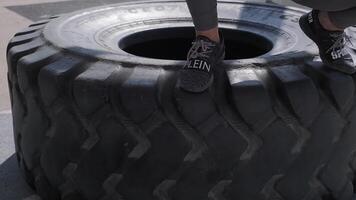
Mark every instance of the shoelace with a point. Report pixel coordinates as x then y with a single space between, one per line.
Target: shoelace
339 42
204 46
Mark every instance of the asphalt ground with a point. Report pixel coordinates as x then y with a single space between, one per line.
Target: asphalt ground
15 15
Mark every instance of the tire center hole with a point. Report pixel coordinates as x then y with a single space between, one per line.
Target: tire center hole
174 43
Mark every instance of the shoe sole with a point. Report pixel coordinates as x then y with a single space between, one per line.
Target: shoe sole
306 29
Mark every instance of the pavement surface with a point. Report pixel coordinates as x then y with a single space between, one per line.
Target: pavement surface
15 15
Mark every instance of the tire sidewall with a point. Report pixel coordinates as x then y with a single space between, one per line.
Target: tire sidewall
96 32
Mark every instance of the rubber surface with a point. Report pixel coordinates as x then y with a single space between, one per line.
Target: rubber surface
275 127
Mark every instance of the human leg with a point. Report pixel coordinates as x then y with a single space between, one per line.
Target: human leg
344 18
208 49
326 29
342 13
205 18
204 14
329 5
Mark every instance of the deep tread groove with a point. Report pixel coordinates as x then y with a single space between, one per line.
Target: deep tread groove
40 23
22 39
262 180
162 190
111 187
317 71
254 142
335 85
283 112
304 135
143 144
57 103
251 98
269 192
290 82
318 189
216 193
198 145
68 187
15 53
30 30
40 181
148 126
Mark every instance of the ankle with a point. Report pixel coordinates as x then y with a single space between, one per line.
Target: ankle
326 22
212 34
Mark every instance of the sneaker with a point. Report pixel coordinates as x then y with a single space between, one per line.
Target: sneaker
203 57
332 44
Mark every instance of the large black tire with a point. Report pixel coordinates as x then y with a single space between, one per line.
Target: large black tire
93 122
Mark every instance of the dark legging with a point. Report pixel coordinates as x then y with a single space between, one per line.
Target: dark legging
342 12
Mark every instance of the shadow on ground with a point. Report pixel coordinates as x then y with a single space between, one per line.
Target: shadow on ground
12 184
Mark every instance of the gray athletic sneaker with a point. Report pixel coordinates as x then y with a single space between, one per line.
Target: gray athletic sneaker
203 57
332 44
